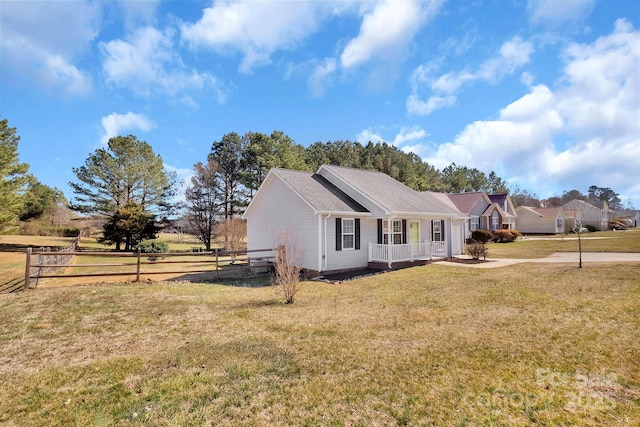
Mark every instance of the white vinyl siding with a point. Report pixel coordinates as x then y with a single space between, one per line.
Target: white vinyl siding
343 259
266 222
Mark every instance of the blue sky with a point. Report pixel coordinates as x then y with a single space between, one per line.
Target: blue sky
544 92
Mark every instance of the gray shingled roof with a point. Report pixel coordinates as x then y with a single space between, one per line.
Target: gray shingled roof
392 195
318 192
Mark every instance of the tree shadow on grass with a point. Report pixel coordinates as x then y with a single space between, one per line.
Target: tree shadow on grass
235 280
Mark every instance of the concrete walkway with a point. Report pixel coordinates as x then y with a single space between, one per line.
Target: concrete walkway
557 257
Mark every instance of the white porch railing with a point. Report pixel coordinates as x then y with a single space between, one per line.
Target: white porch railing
439 249
406 252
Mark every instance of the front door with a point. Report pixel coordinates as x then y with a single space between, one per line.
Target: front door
414 227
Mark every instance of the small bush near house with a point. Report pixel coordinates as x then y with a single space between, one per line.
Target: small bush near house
591 228
153 247
476 250
481 235
289 255
505 236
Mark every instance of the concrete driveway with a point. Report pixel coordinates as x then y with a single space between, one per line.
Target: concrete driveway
557 257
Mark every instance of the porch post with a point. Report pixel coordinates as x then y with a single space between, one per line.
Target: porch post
389 247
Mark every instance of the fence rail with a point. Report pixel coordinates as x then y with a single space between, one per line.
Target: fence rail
216 263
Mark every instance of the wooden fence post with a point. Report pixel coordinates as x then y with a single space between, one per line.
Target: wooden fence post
138 267
27 270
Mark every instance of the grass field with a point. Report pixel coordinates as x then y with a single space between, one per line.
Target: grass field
526 344
543 246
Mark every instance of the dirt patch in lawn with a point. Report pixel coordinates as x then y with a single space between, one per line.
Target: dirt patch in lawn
345 276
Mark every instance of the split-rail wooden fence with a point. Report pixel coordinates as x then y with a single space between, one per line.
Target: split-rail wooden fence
45 264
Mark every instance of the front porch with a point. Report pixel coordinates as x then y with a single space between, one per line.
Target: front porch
404 254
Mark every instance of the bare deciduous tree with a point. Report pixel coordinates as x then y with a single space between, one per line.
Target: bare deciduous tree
234 233
203 201
289 255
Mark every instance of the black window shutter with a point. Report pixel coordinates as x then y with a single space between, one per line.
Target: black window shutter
380 231
442 229
433 234
338 234
357 232
404 231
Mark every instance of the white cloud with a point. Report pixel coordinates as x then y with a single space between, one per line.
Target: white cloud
320 77
406 134
512 55
147 63
417 106
256 29
409 134
137 13
386 30
585 131
368 135
554 13
36 51
114 124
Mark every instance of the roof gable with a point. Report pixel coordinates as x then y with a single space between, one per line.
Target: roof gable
316 191
465 202
391 195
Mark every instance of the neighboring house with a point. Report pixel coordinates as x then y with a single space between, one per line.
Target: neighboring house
540 220
508 214
598 217
486 212
607 214
630 215
573 218
349 218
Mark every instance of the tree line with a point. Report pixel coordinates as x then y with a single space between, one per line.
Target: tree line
127 184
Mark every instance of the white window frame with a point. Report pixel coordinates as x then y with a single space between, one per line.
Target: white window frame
437 231
495 221
474 223
345 233
396 233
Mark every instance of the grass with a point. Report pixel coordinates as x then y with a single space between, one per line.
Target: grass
526 344
536 247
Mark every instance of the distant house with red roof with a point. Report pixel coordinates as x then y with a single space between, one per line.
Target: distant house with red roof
486 211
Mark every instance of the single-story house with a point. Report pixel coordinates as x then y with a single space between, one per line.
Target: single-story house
540 220
630 215
486 211
349 218
590 214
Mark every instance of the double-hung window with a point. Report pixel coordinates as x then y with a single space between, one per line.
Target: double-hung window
396 232
495 221
348 233
475 223
437 231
